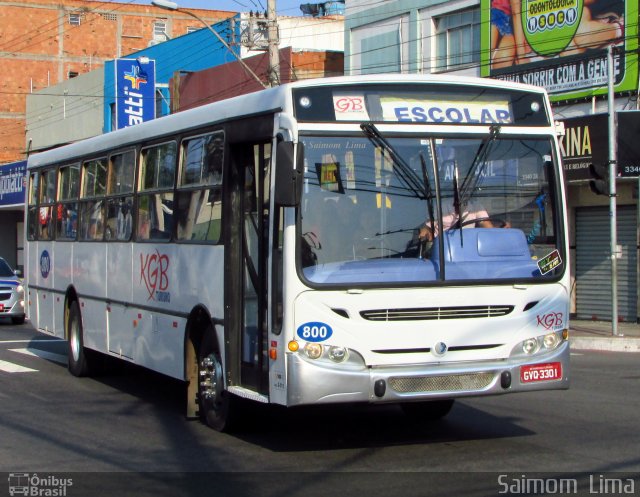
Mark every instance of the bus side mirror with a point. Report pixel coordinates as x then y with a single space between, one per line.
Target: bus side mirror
288 178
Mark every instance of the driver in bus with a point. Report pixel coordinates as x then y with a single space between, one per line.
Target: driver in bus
473 215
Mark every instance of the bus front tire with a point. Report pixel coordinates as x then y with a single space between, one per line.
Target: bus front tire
77 354
216 405
431 410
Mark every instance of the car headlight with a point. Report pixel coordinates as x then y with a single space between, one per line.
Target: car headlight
539 344
20 289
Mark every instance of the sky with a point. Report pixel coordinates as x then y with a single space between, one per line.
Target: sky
283 7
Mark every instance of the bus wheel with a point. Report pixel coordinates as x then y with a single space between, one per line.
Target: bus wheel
427 411
77 355
215 403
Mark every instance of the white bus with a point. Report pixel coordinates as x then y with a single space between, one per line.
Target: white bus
376 239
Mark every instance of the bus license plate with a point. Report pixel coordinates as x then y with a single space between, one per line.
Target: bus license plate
541 372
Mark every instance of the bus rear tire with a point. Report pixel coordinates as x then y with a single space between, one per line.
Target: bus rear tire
78 361
216 405
431 410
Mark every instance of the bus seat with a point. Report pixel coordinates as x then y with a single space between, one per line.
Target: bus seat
486 253
483 245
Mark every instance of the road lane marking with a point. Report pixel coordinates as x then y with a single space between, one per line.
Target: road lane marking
9 367
42 354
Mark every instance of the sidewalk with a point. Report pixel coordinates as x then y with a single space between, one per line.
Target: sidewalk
597 335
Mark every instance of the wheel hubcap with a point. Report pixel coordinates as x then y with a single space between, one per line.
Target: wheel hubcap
210 378
75 341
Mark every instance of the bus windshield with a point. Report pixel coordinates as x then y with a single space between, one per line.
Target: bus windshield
383 209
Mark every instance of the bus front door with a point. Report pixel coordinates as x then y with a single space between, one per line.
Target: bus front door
246 266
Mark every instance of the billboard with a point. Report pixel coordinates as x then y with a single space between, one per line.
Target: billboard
586 141
13 183
560 45
135 91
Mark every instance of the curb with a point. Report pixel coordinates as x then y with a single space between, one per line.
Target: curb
608 344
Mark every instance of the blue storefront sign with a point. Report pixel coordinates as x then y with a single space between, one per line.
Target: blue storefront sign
135 91
13 183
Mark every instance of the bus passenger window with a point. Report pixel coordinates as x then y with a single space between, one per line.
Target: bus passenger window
199 199
67 210
91 220
199 215
122 167
155 217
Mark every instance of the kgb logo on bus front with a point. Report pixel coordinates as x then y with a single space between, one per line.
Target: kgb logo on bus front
154 275
551 320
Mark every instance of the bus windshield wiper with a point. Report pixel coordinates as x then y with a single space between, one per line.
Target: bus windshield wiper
429 192
474 174
405 173
457 205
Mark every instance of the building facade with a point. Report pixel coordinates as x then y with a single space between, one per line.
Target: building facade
46 42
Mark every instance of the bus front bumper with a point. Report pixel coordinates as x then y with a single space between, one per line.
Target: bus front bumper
312 383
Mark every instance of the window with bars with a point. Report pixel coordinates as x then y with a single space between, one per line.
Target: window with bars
75 19
457 40
160 31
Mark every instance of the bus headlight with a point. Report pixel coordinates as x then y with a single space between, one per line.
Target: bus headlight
313 350
539 344
530 346
550 341
337 354
329 355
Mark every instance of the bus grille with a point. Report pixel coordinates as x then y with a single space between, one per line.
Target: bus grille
448 383
436 313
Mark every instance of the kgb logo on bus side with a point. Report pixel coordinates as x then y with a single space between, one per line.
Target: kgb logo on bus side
153 272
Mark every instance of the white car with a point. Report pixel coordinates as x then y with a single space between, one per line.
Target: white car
11 293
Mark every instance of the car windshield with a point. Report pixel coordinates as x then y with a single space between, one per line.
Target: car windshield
382 209
5 269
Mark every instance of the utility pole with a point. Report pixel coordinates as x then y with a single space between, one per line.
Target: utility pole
274 42
613 169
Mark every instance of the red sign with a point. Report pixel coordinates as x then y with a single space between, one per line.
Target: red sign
550 371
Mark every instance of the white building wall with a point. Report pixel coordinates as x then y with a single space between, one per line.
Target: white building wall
299 33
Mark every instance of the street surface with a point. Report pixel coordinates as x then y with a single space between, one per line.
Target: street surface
131 420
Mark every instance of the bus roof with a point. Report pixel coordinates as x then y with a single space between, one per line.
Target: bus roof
263 101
